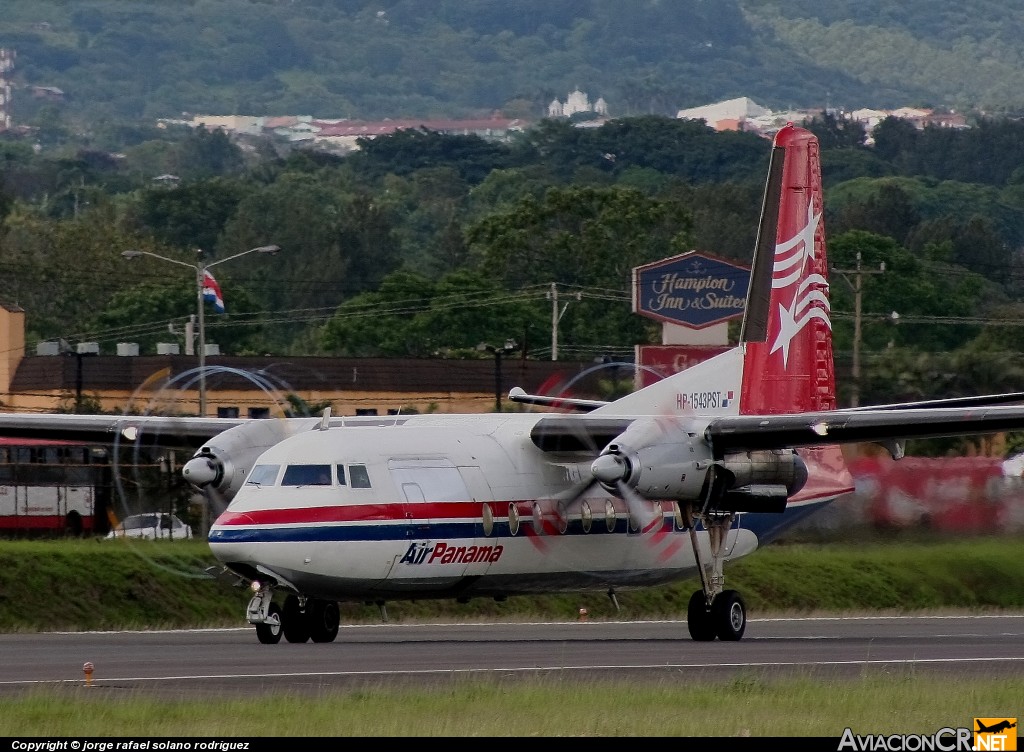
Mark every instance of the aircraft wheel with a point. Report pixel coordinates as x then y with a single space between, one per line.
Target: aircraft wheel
729 616
294 622
269 633
324 619
698 618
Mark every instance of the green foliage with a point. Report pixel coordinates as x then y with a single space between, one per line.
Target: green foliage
917 287
453 57
412 149
927 53
491 226
192 215
410 316
156 310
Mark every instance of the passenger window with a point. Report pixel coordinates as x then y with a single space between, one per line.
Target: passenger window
359 477
307 475
264 475
341 475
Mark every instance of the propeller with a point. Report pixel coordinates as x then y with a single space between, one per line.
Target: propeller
616 468
218 462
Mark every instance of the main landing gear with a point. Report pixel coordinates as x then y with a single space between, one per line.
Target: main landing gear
300 619
712 611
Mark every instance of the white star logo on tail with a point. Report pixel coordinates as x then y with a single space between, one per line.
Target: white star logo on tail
809 300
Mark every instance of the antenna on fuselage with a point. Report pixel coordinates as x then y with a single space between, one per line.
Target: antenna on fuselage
325 419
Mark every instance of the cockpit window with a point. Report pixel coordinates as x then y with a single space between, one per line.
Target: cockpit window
264 475
359 477
307 475
341 475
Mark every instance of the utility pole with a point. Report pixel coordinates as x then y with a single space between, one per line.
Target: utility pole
556 316
857 287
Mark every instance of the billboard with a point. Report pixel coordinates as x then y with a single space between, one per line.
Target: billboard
694 290
656 362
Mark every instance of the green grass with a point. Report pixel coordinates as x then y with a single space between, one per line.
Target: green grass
114 584
748 706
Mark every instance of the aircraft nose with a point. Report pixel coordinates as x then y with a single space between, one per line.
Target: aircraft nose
200 471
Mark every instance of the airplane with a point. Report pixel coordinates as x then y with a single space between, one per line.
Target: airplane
666 483
995 728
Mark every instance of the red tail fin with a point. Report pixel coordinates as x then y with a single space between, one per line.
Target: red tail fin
787 333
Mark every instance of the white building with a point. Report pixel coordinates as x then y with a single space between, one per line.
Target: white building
577 101
730 111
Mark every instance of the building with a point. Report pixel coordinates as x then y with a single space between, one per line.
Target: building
577 101
262 386
728 115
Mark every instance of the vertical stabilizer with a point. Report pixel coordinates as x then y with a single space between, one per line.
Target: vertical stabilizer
787 337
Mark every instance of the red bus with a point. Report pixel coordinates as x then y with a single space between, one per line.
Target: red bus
53 487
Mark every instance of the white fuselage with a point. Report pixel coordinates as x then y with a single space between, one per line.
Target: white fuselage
442 507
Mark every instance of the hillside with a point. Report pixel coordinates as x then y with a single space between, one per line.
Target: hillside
126 59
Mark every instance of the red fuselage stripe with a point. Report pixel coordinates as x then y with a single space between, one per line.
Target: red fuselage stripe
433 510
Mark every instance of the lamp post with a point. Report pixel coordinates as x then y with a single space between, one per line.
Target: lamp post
200 269
498 352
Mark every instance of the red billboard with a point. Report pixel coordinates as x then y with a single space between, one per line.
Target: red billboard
655 362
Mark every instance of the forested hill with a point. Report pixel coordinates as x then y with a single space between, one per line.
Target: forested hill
143 59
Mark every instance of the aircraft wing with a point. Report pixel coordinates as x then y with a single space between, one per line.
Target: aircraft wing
186 432
516 394
884 424
969 401
754 432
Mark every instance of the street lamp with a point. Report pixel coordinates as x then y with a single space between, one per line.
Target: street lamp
498 352
200 269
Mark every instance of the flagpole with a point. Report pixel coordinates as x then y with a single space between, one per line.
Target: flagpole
200 269
201 305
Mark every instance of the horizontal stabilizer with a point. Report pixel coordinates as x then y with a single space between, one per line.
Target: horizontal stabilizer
516 394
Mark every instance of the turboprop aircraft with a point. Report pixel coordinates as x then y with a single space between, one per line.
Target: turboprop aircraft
669 482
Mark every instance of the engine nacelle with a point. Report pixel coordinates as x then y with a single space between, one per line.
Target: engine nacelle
224 461
759 481
676 463
658 458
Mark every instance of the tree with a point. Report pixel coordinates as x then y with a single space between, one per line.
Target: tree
156 310
191 215
834 132
887 212
588 238
895 140
410 316
917 286
205 154
410 149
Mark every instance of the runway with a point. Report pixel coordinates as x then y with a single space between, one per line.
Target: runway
227 661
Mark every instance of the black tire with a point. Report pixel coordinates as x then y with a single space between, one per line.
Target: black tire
729 616
324 620
294 621
698 618
269 633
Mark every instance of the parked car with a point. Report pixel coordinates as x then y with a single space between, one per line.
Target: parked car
151 526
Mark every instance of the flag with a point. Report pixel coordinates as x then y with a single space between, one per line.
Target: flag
211 292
